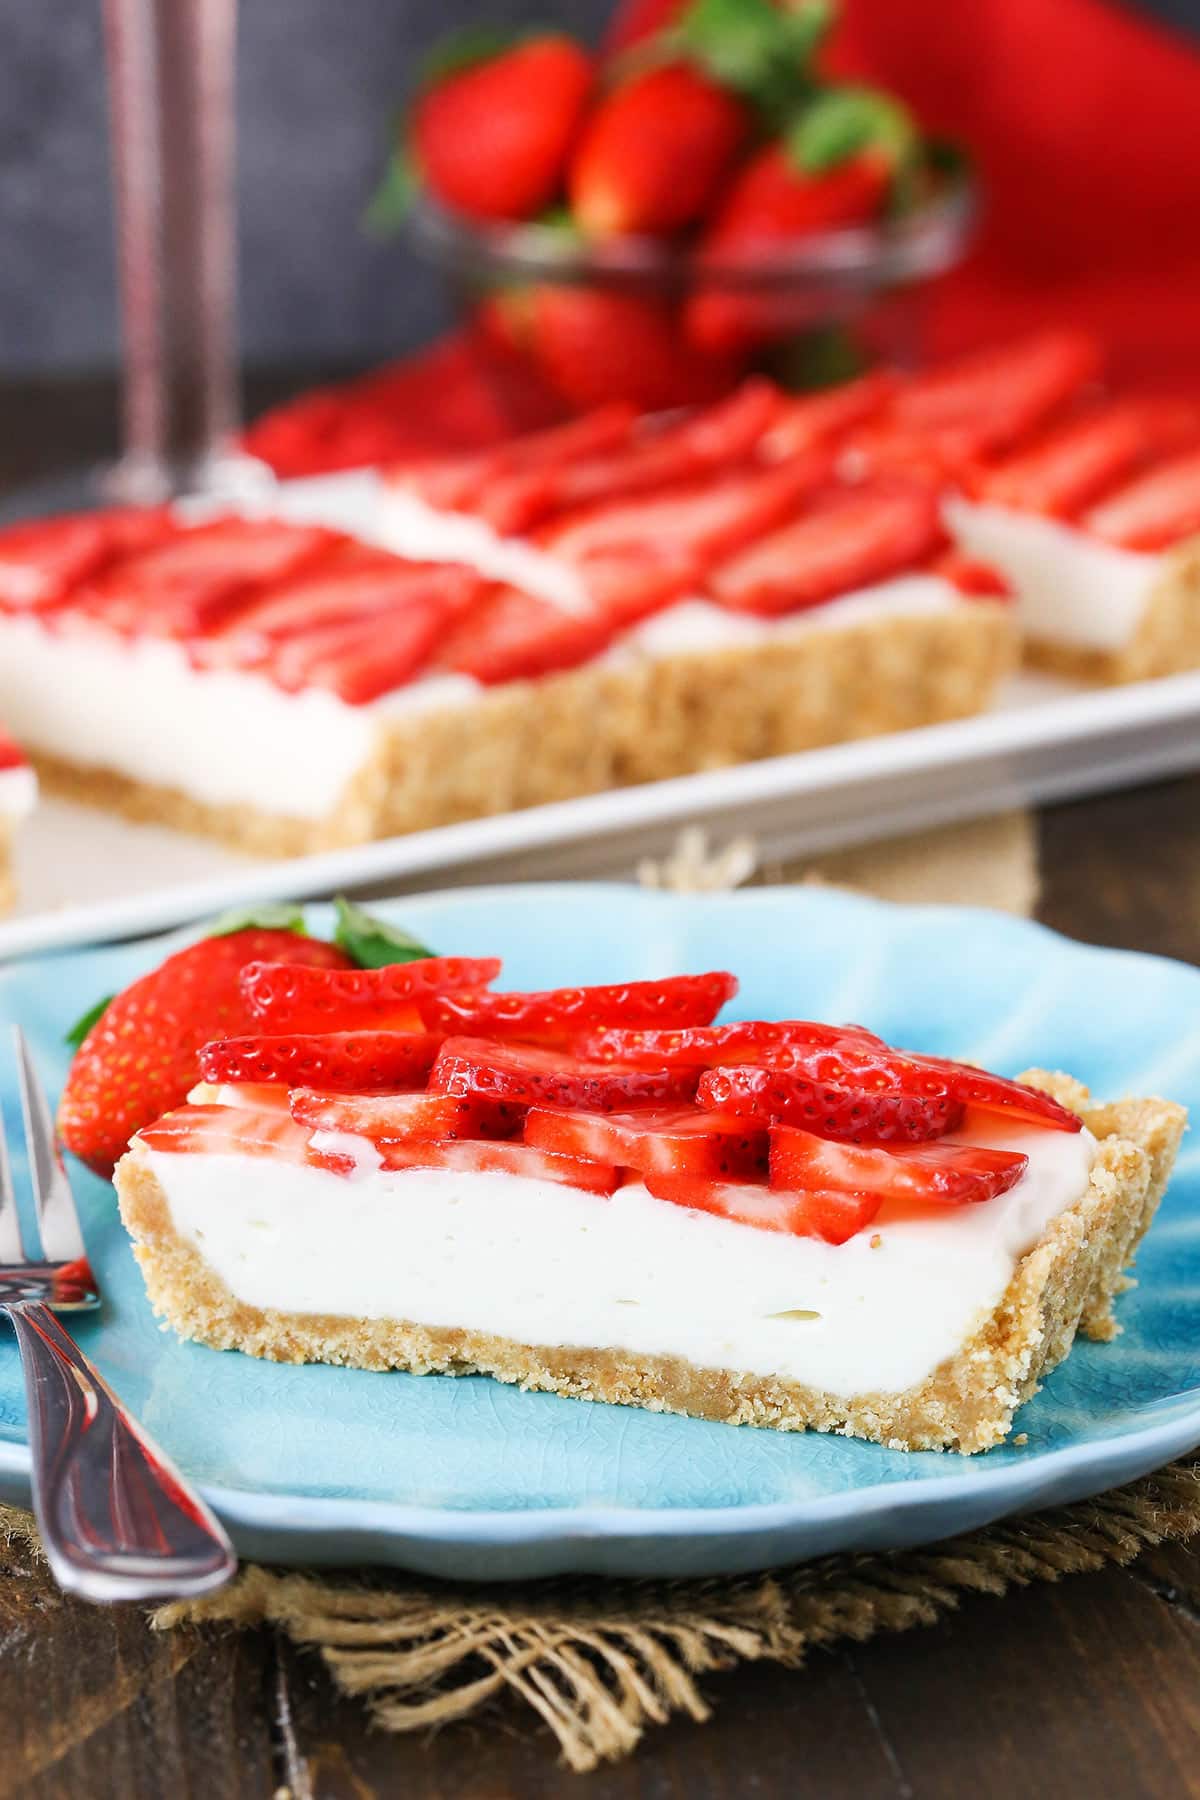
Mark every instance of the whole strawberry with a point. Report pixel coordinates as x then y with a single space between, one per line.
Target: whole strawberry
600 344
655 151
492 139
140 1057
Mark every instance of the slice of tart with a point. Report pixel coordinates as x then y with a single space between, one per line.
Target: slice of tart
18 795
678 596
600 1193
1088 503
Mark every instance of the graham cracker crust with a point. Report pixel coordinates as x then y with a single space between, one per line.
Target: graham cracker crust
1066 1282
614 724
1167 641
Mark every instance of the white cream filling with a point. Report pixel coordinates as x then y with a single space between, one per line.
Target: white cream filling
138 707
1071 587
18 792
551 1265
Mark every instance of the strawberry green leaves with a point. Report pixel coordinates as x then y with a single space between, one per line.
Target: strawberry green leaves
83 1025
268 915
372 942
842 121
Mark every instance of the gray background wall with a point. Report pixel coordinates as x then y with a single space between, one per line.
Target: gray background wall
316 82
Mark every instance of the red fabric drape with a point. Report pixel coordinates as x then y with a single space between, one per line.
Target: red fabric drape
1084 119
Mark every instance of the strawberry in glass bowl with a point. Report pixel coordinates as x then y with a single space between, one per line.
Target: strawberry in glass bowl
648 224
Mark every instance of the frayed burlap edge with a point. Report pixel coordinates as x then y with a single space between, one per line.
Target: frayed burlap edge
599 1661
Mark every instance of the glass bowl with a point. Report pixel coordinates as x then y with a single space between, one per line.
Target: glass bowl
860 285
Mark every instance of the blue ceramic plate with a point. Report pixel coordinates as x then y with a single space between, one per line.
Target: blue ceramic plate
471 1478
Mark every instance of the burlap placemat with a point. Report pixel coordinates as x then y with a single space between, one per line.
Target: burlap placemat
599 1660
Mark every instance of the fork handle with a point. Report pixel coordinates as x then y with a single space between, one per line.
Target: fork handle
117 1519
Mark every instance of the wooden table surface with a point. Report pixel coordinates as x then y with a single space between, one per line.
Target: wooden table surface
1088 1687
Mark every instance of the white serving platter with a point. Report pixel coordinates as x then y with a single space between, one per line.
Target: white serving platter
86 877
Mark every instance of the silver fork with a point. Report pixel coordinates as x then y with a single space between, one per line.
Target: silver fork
117 1519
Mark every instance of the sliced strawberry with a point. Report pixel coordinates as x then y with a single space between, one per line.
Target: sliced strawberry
714 437
182 587
358 1062
507 635
473 1156
938 1174
846 1108
524 1075
630 583
236 1131
384 1118
363 586
555 1016
706 1046
873 1093
1073 464
454 483
833 1216
366 658
977 580
252 1096
805 421
703 520
387 998
990 1093
41 563
663 1140
11 754
1000 394
1157 510
856 538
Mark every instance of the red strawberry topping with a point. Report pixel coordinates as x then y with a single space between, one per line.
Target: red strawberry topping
835 1109
454 483
503 1158
287 998
11 754
662 1140
537 1077
365 1062
190 582
745 1041
386 1118
819 1213
43 562
1077 462
236 1131
711 438
704 520
939 1174
142 1055
853 540
555 1016
1157 510
999 395
507 635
